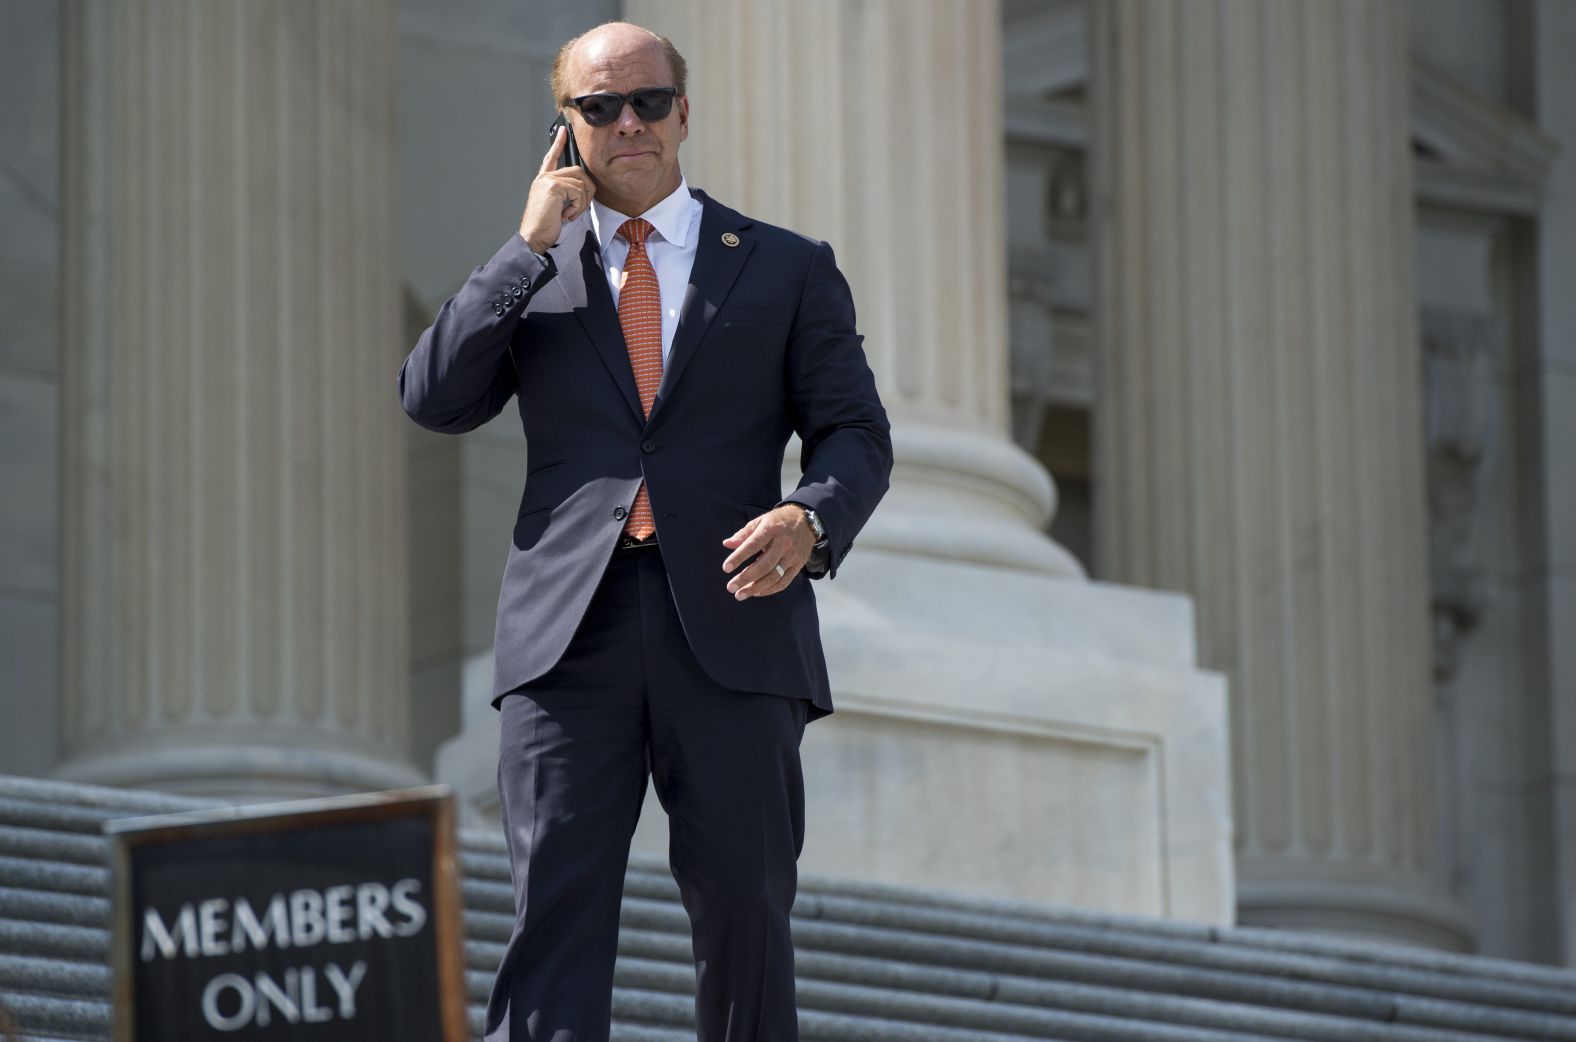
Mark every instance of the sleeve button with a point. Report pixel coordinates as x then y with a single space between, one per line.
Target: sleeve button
518 292
498 309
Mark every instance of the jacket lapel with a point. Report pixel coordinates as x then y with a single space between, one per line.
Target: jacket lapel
717 266
585 284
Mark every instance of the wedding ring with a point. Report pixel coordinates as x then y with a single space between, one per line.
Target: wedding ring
780 572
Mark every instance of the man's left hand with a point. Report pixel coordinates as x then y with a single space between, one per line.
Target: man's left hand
782 539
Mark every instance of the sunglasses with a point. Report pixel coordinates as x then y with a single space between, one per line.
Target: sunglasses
651 104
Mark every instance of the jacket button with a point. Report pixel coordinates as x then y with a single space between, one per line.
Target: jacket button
619 513
518 292
498 309
648 447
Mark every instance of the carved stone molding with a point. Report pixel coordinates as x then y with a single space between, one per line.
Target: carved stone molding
1461 420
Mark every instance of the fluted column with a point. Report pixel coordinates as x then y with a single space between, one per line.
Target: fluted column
1259 436
878 127
234 559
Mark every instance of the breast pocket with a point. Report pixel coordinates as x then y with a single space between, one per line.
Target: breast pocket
754 333
744 313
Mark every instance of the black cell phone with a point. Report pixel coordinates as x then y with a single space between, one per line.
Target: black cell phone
571 154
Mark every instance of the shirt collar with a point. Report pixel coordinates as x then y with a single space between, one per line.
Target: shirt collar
670 217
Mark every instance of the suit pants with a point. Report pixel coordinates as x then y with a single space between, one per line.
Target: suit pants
629 701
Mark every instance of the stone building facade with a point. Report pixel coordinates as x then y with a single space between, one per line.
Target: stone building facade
1229 553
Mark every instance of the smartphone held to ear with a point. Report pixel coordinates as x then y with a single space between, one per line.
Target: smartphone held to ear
570 155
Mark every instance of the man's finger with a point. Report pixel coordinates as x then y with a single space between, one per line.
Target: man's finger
556 149
759 578
582 185
770 583
577 192
753 544
775 583
567 180
742 534
758 569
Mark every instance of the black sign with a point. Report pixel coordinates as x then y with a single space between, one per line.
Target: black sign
331 920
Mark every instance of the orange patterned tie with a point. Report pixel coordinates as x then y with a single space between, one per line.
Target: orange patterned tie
640 313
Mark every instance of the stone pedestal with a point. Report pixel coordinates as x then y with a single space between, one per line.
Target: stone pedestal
1260 444
234 553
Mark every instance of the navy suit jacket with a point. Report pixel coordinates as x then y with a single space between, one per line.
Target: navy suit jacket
766 346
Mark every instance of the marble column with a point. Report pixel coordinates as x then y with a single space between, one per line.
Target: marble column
1259 438
878 127
234 559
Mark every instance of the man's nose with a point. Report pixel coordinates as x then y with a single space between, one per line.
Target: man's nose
628 122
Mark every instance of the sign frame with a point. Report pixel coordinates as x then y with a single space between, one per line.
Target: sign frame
434 803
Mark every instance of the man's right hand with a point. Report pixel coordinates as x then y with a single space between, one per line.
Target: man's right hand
557 197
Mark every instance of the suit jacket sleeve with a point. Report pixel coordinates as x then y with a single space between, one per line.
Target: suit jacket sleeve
459 375
847 440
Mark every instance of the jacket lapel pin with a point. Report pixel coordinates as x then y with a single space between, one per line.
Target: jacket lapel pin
730 239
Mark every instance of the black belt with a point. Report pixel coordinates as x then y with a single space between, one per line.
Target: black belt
629 542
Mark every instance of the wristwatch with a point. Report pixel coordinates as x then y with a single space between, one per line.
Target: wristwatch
821 553
816 527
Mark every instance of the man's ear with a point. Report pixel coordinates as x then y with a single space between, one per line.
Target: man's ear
683 117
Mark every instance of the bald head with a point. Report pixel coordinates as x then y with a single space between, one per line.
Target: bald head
605 49
631 158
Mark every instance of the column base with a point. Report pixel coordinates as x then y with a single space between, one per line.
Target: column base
1357 902
967 496
241 771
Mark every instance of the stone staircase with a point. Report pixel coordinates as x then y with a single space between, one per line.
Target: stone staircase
876 964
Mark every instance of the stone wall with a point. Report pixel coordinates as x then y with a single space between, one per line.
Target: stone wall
29 382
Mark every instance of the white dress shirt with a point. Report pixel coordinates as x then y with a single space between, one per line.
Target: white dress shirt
671 247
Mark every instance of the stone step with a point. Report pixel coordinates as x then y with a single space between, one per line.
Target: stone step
46 906
72 1018
486 888
68 848
42 874
874 962
59 977
1015 934
661 961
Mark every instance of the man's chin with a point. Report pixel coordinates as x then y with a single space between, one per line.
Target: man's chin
634 188
634 184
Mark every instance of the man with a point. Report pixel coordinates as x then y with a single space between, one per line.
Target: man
655 618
